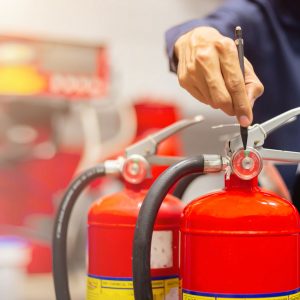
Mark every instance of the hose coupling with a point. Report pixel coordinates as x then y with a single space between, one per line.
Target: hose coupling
215 163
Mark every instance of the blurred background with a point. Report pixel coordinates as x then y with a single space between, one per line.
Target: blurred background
80 81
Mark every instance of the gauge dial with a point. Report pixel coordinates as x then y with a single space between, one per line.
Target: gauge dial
246 164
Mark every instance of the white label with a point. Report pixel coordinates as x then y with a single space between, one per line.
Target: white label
173 294
162 250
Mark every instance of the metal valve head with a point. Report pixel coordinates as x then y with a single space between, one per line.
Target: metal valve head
136 169
135 165
257 135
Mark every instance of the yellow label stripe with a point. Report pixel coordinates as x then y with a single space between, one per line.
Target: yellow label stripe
195 295
103 288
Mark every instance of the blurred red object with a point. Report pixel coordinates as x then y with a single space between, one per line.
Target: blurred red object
49 72
154 114
39 81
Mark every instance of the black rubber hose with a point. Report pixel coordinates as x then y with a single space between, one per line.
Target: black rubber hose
59 246
146 219
183 184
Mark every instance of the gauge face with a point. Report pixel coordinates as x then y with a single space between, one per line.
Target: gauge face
246 164
135 169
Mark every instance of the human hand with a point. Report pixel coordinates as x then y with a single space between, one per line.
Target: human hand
208 68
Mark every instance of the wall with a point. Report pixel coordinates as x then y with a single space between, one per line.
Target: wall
133 29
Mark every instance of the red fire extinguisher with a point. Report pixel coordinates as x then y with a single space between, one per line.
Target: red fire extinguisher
112 221
241 242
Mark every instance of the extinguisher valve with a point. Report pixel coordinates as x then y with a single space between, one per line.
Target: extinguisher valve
136 169
135 165
248 163
140 156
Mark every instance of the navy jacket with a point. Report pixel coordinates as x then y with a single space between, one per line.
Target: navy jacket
272 44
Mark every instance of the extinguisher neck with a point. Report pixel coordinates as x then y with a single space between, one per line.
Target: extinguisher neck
145 185
236 183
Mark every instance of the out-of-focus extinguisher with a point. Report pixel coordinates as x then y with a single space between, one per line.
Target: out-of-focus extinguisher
241 242
112 221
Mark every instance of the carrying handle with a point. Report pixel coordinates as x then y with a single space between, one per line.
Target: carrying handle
280 120
148 146
280 156
258 133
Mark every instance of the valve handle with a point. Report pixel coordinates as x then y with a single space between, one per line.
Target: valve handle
259 132
280 156
221 126
148 146
135 165
280 120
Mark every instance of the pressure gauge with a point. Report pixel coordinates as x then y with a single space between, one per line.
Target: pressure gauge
135 169
246 164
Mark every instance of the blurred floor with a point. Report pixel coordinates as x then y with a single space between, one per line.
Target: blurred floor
40 287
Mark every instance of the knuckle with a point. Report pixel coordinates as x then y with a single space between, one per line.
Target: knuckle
260 89
202 34
228 99
194 38
212 84
230 112
225 44
202 56
235 84
241 107
223 101
191 68
214 105
182 79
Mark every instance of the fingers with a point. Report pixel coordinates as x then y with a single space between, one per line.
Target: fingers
209 70
200 74
234 80
190 79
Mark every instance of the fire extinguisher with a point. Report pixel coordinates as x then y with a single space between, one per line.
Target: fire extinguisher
112 221
241 242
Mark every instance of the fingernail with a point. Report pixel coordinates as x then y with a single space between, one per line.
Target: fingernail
244 121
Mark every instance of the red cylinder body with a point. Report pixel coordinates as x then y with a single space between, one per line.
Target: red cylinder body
112 222
111 228
241 242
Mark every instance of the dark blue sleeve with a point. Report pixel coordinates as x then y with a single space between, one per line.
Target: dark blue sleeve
224 19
